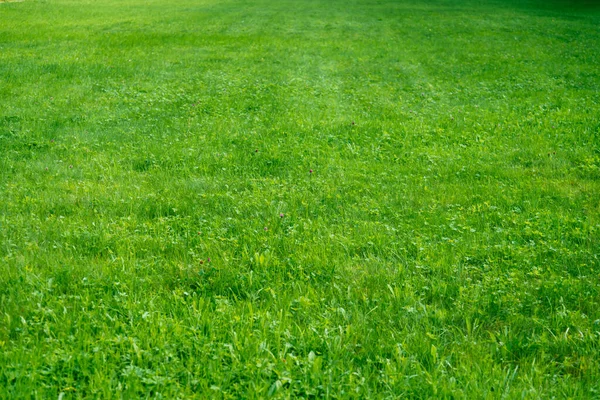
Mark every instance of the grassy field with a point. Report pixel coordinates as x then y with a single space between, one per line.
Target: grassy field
299 199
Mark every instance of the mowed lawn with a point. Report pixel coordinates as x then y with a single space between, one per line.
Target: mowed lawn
299 199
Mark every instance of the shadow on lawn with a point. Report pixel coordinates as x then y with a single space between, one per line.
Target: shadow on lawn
569 4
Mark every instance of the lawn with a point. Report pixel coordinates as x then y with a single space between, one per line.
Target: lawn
299 199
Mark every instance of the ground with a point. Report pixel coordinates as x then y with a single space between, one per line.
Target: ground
299 199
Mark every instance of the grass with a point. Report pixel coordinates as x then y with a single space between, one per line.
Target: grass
299 199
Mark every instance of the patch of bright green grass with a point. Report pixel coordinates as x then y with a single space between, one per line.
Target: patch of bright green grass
299 199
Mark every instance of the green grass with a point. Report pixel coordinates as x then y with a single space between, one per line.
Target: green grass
446 243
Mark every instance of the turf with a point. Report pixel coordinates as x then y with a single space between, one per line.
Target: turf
299 199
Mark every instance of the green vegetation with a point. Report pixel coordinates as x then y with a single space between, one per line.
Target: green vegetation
299 199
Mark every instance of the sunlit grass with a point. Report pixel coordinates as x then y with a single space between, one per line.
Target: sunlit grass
299 199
